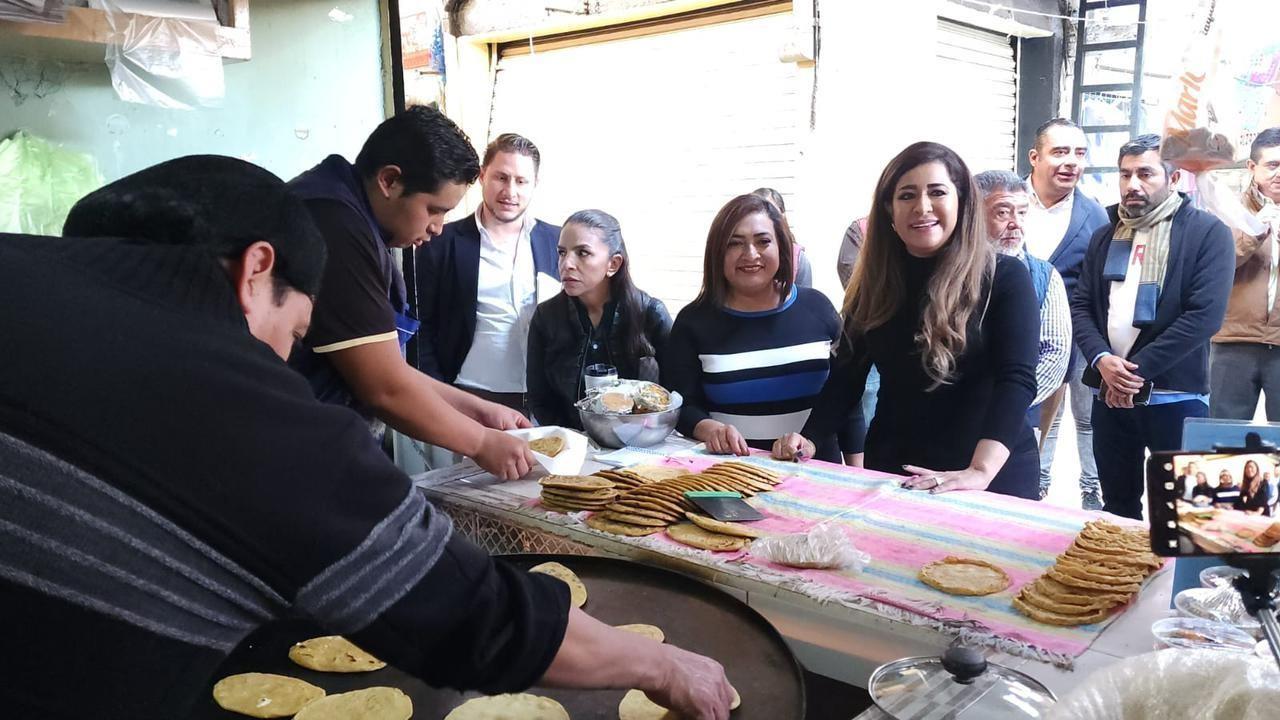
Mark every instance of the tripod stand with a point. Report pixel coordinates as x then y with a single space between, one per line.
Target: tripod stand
1258 588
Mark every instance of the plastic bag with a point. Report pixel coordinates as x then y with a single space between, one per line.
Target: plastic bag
824 546
1176 685
166 62
1201 129
39 182
1225 203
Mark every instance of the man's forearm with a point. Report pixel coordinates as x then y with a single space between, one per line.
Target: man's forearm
595 655
418 409
461 400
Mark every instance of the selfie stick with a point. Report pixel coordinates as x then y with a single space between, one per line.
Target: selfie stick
1258 586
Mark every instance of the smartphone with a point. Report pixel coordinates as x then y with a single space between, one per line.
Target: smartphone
1213 503
1093 379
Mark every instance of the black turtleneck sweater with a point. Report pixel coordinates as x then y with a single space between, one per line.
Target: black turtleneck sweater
939 429
168 484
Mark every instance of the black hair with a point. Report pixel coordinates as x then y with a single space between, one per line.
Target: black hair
1141 145
772 196
222 203
1050 124
427 146
1268 138
513 143
715 286
621 287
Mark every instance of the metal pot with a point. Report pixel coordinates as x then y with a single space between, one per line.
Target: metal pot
961 684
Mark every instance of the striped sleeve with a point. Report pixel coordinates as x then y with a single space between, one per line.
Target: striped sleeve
1055 339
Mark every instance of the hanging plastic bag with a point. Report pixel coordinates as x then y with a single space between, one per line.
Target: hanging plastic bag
39 182
1201 127
166 62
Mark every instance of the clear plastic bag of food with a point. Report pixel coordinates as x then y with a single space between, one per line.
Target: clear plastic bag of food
628 397
1176 685
824 546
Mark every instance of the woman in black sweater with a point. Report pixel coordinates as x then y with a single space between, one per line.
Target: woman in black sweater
953 329
600 317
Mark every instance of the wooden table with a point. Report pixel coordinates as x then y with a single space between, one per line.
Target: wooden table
840 642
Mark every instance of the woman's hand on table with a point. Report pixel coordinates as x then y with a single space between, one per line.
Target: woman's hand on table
946 480
721 438
793 446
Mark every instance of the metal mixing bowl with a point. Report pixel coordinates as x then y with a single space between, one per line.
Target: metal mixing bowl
637 430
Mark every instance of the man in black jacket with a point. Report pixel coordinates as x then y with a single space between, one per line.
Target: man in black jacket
481 279
168 484
1152 292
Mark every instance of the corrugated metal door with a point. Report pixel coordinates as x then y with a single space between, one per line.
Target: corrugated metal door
979 74
659 130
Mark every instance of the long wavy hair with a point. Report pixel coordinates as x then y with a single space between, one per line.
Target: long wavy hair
965 265
715 286
621 288
1251 482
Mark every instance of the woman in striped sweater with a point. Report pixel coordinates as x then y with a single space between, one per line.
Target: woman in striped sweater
752 351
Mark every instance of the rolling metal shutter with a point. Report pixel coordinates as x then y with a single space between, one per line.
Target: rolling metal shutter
660 131
978 69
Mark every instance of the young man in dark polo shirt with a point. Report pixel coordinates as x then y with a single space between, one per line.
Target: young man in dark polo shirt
412 170
167 484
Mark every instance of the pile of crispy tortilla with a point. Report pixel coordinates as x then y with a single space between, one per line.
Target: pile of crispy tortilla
1103 569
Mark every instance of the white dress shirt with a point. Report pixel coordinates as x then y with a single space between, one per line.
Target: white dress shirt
1045 227
506 296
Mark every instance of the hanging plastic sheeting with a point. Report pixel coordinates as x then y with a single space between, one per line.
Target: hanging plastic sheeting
1177 685
1227 91
39 182
163 61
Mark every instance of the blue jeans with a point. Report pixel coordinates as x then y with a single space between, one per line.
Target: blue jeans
1081 410
1120 440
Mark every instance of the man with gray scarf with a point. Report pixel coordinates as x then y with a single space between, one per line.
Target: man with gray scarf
1152 292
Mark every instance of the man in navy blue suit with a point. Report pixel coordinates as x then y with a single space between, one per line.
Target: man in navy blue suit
1060 221
480 280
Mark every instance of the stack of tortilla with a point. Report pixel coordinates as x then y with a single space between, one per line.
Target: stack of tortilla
1103 569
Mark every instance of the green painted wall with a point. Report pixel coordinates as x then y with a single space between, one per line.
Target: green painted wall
313 87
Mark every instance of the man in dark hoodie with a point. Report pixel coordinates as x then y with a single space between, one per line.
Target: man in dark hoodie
168 484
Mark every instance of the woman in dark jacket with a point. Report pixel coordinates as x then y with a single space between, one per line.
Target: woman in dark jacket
600 317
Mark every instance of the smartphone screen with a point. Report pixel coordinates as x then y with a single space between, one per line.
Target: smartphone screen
1213 503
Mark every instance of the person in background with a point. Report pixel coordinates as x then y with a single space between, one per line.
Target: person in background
803 270
1243 360
481 280
1004 199
412 170
1275 487
1255 493
1152 292
953 328
1189 473
600 317
1227 494
1202 489
151 523
1060 222
750 354
850 249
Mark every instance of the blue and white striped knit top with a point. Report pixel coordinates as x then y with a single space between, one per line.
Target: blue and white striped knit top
760 372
